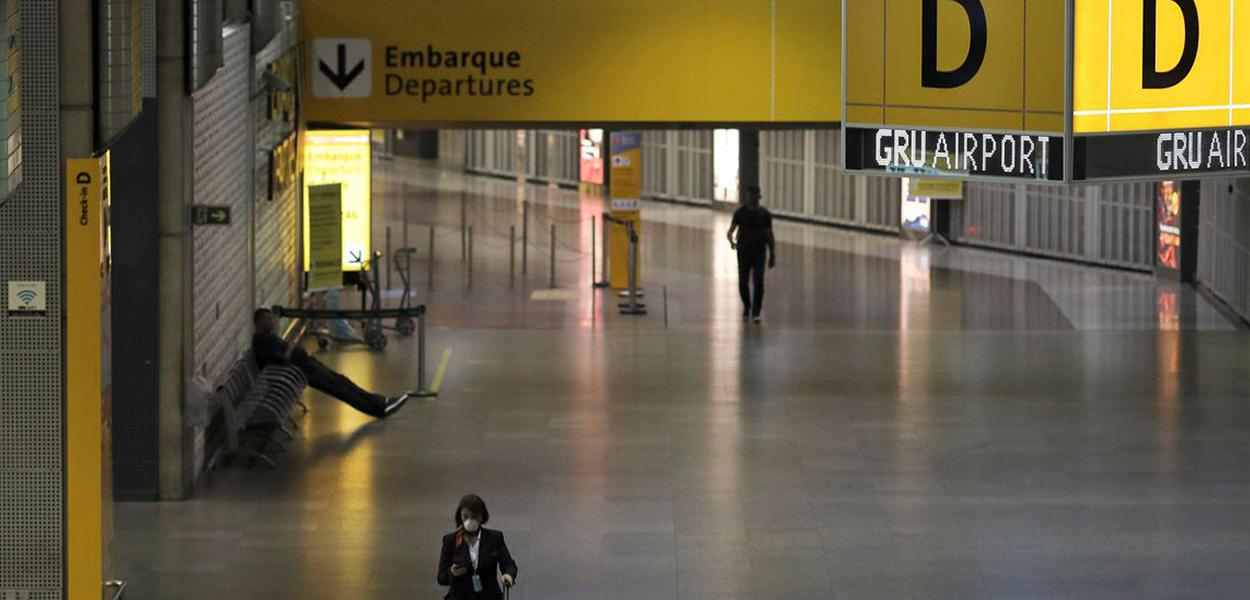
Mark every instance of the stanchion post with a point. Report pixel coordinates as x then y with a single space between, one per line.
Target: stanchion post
404 199
603 254
421 391
388 255
429 263
553 256
511 254
421 352
633 307
525 237
464 223
470 257
594 251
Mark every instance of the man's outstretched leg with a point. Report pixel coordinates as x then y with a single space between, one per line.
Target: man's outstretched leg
328 381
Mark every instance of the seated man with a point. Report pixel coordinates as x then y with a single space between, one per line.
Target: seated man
271 349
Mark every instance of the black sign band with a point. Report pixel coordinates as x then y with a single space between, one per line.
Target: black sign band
955 153
1162 154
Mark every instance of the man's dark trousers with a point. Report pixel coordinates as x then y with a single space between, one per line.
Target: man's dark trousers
751 266
325 380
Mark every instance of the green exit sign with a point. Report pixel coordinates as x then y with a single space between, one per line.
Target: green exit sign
203 214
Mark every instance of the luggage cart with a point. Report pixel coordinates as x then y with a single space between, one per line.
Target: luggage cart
402 259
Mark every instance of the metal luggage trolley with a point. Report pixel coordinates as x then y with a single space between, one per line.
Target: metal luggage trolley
402 260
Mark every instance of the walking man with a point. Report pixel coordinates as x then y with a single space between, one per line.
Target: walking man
751 234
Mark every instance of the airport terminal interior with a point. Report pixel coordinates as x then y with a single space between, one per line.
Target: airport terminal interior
300 302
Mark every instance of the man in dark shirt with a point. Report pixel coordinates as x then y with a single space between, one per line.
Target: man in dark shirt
751 234
270 349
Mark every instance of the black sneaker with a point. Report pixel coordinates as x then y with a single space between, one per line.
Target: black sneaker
756 319
394 404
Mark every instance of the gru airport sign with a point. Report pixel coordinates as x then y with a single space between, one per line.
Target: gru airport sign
572 62
1081 90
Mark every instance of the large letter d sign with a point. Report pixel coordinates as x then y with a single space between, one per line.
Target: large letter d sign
1151 78
930 75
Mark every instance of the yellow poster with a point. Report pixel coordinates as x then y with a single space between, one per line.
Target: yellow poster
956 64
88 390
572 61
936 189
625 198
1165 65
325 233
342 157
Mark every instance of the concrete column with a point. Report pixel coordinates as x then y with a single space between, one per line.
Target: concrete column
749 157
236 10
77 47
173 249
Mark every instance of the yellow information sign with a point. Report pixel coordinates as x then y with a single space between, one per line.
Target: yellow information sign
1161 65
325 234
572 61
88 389
342 157
956 64
936 189
625 197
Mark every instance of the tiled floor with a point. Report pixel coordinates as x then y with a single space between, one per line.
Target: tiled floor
905 425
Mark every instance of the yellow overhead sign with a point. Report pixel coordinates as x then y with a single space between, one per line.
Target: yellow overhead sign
572 61
963 64
1161 65
342 157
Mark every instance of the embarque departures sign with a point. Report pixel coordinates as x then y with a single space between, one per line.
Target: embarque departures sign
1048 90
482 62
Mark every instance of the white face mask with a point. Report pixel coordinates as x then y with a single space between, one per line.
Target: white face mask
471 525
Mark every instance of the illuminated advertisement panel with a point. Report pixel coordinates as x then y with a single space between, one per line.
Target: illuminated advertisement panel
591 149
1168 215
342 157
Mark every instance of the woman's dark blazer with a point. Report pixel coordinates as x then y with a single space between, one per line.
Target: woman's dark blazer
493 560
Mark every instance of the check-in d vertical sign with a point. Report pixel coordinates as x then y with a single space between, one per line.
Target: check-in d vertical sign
88 412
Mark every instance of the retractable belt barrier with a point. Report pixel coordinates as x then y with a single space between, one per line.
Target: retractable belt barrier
417 312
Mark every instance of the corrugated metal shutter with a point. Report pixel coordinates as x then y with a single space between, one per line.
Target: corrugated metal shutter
655 164
986 215
553 156
783 171
883 200
1224 242
119 65
677 165
693 152
1126 225
801 176
1101 224
834 196
222 176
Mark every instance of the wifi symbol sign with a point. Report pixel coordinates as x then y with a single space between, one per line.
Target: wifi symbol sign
27 296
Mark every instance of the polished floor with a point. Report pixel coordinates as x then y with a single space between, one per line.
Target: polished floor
907 424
